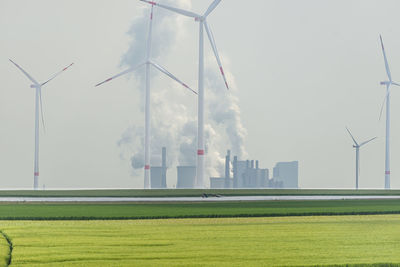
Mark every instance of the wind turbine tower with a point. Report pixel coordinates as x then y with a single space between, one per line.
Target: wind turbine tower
148 63
38 101
387 83
202 19
357 147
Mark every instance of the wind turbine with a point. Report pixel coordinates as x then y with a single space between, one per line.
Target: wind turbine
387 100
38 101
202 19
148 62
357 147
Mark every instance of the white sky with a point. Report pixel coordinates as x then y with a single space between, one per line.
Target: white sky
303 70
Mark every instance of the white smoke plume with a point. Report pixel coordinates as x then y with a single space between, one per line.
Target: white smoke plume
172 125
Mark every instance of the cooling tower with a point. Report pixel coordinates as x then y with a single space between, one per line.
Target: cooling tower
186 176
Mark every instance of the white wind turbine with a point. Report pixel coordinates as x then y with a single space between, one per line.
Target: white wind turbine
202 19
387 99
148 63
357 147
38 101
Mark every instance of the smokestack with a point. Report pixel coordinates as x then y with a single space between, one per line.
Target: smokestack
164 157
256 164
164 167
227 169
235 181
247 164
252 164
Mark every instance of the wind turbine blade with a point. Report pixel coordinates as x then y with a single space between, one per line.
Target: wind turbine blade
171 76
58 73
355 142
386 62
150 32
214 47
363 143
383 104
174 9
397 84
120 74
211 8
24 72
41 108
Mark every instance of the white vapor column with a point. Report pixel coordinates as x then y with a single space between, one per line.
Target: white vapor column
147 113
387 100
357 147
38 101
199 183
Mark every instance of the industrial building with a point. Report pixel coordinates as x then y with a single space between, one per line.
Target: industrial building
245 175
158 175
238 174
248 174
186 176
286 174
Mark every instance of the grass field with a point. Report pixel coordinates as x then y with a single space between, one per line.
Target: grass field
195 210
212 242
187 192
4 251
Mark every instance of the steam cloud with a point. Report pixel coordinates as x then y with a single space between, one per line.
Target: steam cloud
172 125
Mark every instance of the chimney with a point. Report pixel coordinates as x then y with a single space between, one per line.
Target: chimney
235 176
256 164
252 164
164 157
164 168
227 169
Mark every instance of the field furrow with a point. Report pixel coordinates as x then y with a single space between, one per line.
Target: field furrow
5 250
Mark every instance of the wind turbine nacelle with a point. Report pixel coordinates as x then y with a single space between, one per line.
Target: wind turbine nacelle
383 83
33 86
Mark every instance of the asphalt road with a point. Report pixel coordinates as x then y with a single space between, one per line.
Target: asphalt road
210 198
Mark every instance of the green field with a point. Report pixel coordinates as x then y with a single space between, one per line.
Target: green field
188 192
207 242
4 251
85 211
200 233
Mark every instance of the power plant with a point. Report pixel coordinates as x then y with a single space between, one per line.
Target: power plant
248 174
237 174
158 175
186 176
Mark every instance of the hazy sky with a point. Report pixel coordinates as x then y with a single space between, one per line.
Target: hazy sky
300 72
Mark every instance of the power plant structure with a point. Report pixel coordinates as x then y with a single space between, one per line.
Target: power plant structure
158 175
285 175
237 174
186 177
248 174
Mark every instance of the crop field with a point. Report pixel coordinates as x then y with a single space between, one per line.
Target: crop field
86 211
323 240
189 192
